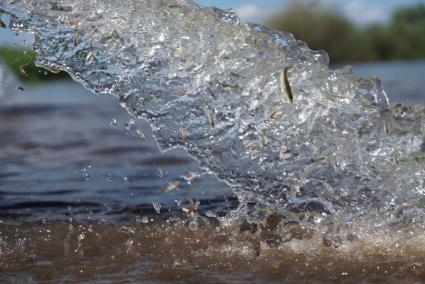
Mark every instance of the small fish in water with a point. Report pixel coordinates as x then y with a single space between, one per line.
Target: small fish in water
23 71
2 24
183 134
172 185
140 134
386 128
190 208
210 116
213 118
180 94
20 88
173 6
257 46
285 86
56 7
89 58
253 146
263 139
273 114
75 40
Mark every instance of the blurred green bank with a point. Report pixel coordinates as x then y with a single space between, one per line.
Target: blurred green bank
323 28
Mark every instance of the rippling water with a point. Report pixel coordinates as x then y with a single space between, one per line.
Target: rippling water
84 196
59 156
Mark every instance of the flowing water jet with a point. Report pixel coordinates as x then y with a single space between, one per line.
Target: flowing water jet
314 155
339 151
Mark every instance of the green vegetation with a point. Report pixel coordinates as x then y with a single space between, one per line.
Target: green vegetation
22 63
402 38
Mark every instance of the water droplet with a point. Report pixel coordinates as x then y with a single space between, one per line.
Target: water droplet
85 173
157 207
81 236
128 179
140 134
193 225
129 124
114 122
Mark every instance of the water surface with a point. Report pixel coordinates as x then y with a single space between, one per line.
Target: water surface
76 199
328 176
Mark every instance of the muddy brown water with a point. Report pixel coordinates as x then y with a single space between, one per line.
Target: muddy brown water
169 251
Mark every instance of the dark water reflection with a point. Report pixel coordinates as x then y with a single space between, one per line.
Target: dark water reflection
60 152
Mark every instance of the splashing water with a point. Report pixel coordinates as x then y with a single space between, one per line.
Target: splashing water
297 141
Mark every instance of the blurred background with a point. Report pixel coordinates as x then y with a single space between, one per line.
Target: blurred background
351 31
63 148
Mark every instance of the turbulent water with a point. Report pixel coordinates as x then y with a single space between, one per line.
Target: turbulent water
320 161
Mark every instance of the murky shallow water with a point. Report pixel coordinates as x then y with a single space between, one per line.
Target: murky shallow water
160 252
76 199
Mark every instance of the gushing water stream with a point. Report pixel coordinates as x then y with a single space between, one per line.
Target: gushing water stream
312 153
